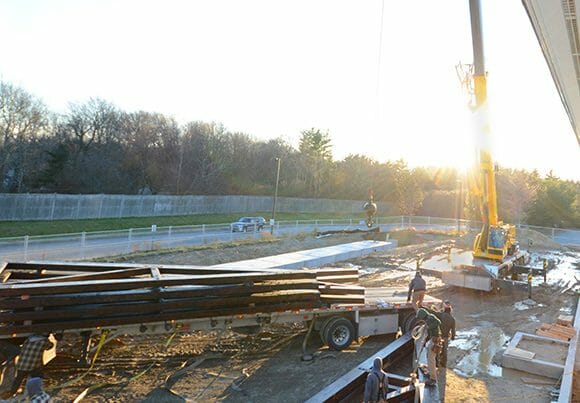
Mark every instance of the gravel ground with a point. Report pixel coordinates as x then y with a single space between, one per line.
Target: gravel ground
267 366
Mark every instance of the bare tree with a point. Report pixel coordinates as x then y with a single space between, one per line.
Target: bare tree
23 119
96 121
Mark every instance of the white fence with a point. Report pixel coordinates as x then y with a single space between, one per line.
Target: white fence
48 207
87 245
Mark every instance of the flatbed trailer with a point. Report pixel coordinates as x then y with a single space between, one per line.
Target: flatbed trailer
338 325
64 297
89 298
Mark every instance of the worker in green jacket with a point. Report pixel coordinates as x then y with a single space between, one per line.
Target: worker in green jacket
433 342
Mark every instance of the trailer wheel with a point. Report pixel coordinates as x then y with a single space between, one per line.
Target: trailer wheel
339 333
409 322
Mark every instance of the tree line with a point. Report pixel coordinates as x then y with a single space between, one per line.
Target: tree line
94 147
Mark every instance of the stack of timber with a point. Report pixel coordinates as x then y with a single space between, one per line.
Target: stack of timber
58 296
556 331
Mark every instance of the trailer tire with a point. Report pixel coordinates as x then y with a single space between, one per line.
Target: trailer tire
409 322
339 333
324 326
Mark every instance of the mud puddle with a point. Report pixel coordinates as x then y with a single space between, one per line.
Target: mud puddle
565 274
478 346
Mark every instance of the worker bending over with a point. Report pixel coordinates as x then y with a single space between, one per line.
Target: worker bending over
433 342
29 362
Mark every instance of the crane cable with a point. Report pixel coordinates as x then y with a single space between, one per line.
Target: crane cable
380 49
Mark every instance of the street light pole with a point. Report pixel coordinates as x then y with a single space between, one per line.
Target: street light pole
272 223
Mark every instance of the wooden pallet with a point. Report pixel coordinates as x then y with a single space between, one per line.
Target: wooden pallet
556 331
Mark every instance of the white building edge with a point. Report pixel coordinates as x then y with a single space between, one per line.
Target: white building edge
556 27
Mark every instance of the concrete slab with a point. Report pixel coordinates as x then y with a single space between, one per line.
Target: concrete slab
463 278
314 257
549 355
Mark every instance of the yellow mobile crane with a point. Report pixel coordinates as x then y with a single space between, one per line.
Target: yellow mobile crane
496 239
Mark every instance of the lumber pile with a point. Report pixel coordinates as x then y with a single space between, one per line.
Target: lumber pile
565 320
56 296
556 331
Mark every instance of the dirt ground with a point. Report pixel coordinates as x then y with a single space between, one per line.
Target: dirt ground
267 366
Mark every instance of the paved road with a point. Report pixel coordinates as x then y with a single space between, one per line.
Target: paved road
94 245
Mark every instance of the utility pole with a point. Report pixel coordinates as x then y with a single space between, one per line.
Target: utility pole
272 221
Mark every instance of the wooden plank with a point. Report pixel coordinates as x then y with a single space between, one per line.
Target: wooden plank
565 320
161 317
156 293
563 330
9 289
552 335
568 331
520 353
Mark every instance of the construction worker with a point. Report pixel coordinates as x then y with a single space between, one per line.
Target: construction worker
447 331
35 392
377 384
530 278
417 287
545 266
29 361
433 342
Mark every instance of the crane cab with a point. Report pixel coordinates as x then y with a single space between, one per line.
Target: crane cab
495 242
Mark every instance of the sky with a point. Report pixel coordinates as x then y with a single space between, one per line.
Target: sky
274 68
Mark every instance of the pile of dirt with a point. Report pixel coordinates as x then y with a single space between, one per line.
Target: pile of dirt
527 238
534 240
267 366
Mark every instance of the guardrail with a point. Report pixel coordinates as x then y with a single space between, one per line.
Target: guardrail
88 245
